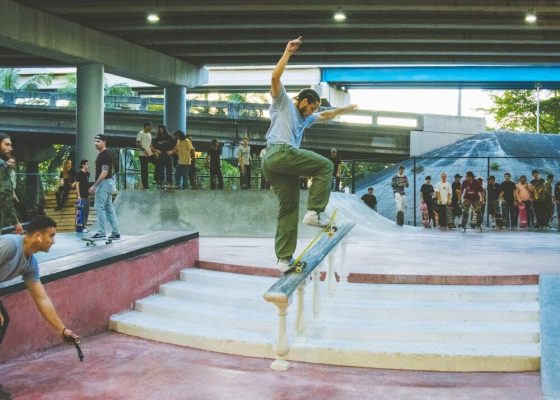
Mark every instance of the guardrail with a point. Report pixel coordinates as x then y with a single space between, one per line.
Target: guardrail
280 294
215 109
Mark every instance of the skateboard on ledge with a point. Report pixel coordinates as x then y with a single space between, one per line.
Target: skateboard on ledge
329 230
93 242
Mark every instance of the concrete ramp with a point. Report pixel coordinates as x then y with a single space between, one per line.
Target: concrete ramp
250 213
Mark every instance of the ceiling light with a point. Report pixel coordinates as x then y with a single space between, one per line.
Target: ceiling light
339 16
152 18
531 17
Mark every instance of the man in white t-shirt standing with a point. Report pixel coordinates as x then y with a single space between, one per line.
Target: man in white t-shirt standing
443 199
244 158
146 152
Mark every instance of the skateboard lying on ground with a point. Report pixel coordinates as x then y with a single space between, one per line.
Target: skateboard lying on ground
298 265
93 242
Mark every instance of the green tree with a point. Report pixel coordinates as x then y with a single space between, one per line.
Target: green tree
10 79
516 110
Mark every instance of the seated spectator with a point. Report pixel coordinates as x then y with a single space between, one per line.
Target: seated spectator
67 182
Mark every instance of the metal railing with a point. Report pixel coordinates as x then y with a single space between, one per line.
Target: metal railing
217 109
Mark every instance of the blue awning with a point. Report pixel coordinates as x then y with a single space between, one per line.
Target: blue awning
481 77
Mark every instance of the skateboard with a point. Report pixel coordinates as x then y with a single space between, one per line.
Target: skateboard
93 242
450 217
425 216
329 229
522 215
79 207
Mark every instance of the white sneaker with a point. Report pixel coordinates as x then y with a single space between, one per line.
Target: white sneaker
315 218
284 264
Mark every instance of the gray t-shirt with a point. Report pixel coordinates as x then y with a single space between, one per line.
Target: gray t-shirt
286 123
13 262
245 153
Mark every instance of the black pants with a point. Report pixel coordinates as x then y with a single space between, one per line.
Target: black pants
144 162
216 177
4 326
538 207
430 207
509 212
245 178
62 195
164 167
442 215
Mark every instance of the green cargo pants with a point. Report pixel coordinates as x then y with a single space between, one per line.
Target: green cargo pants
282 166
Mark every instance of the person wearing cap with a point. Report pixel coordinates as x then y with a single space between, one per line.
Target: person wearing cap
427 197
284 161
399 182
146 152
538 200
103 189
509 205
443 200
524 195
335 181
17 259
456 198
471 191
494 193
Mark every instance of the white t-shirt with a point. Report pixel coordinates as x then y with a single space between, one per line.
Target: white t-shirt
245 154
444 190
145 139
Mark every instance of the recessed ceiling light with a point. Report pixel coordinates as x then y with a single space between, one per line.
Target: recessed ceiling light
152 18
530 17
339 16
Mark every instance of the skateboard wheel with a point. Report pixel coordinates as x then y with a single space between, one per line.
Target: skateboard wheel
335 228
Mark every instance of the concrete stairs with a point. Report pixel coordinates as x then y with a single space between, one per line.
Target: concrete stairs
66 217
419 327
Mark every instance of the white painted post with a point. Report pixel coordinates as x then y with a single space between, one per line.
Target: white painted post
282 346
343 270
300 320
331 278
316 292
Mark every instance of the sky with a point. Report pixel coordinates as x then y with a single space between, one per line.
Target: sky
425 101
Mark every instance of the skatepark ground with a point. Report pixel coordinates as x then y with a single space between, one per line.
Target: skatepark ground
121 367
236 233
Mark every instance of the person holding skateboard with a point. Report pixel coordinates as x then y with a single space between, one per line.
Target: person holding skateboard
399 182
17 258
82 188
472 194
103 188
8 212
284 161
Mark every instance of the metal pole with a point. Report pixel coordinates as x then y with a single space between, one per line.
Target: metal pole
538 107
459 102
486 197
353 177
414 188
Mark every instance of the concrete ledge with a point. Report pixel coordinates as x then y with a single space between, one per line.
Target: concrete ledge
90 286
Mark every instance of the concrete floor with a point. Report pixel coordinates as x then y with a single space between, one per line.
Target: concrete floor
122 367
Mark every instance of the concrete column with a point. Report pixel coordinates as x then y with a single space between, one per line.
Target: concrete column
336 97
89 111
175 110
549 288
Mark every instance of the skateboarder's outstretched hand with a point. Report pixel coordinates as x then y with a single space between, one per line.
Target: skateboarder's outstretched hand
293 45
70 336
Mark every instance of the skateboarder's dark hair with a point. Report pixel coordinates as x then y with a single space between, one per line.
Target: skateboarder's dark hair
39 223
83 162
4 136
309 94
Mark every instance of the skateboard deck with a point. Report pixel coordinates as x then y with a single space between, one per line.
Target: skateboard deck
93 242
400 218
79 206
450 216
329 229
522 215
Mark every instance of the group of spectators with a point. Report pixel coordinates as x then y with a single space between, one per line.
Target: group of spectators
525 204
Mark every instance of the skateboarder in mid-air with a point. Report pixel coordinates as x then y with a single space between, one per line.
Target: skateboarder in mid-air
284 162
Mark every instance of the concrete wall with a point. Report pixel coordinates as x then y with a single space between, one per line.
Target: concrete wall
440 130
550 335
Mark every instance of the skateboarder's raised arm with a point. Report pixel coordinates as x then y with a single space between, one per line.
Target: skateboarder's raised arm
275 83
330 114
